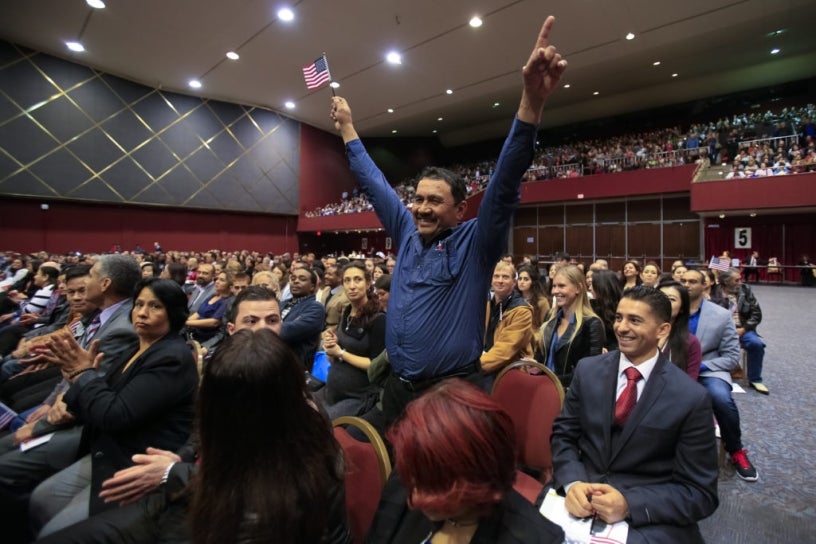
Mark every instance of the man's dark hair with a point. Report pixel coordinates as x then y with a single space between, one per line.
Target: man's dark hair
123 272
251 293
383 282
657 301
51 272
77 271
454 181
563 256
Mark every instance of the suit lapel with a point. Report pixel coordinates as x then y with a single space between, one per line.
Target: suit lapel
609 385
651 392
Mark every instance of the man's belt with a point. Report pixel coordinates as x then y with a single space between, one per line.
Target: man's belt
422 384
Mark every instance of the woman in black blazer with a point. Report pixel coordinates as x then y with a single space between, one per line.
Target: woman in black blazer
147 399
574 331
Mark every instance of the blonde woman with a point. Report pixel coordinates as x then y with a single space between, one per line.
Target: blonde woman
573 331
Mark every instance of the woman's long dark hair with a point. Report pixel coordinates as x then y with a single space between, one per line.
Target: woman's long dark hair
269 461
536 293
607 290
678 338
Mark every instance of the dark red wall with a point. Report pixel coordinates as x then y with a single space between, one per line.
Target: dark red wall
69 226
777 192
324 171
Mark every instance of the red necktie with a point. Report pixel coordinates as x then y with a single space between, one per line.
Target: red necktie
628 398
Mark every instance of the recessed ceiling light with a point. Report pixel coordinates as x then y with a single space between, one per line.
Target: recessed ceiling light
334 85
656 63
773 33
194 83
496 104
76 47
475 22
96 4
390 110
753 214
596 93
289 105
286 14
435 131
775 51
394 58
630 36
449 91
232 55
722 216
675 75
567 86
394 131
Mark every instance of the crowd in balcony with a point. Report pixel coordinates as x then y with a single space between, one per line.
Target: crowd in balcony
754 144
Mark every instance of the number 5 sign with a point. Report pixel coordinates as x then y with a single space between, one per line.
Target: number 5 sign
742 238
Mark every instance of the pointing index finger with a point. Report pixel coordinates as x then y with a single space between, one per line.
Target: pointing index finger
544 36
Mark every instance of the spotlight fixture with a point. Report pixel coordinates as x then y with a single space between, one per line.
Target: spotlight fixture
475 22
630 36
775 51
390 110
393 58
449 91
596 93
438 118
656 63
76 47
289 105
194 84
286 14
334 85
722 216
96 4
567 86
675 75
232 55
394 131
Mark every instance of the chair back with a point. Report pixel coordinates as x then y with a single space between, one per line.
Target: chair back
532 395
367 468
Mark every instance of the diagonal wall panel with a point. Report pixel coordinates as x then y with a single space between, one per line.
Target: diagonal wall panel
71 132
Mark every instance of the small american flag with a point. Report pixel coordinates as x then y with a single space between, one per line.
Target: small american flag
317 73
6 415
719 264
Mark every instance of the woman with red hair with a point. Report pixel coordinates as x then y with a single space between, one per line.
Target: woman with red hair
455 458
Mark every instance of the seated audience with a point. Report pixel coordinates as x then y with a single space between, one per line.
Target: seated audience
146 399
681 347
630 275
573 330
530 287
358 338
650 274
509 325
207 320
240 493
635 438
606 295
460 488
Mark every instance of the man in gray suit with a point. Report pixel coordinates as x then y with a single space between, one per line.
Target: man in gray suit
110 287
204 288
715 329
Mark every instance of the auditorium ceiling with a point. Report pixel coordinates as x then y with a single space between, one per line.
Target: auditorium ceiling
714 47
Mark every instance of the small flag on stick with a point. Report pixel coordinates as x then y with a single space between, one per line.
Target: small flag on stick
317 73
719 264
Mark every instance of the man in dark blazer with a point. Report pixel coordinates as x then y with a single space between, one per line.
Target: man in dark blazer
655 468
303 317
